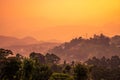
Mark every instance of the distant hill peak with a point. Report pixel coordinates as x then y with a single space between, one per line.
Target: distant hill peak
29 38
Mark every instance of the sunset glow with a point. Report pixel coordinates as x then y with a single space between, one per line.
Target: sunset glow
59 19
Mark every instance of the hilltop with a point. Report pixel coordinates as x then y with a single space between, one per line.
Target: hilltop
80 49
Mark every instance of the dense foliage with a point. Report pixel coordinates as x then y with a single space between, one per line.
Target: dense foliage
105 68
47 67
81 72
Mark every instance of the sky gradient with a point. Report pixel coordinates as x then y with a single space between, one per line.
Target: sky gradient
59 19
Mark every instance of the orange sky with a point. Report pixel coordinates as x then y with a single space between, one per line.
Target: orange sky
59 19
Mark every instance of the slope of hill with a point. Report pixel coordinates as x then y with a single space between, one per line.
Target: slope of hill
82 49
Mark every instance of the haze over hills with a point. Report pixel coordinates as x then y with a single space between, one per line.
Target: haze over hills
25 45
6 41
81 49
77 49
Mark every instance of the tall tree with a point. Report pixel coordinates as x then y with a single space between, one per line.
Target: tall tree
10 69
81 72
52 58
4 53
37 57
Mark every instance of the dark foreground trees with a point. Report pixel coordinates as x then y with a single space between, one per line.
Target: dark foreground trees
18 68
32 70
47 67
81 72
38 67
10 69
105 68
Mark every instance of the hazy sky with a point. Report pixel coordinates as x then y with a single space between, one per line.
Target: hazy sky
59 19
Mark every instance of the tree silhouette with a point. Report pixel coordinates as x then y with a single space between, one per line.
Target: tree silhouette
81 72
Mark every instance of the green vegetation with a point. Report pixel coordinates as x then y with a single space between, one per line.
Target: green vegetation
47 67
60 76
81 72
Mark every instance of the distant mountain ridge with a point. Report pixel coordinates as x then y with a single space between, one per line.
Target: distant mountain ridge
6 41
81 49
25 45
29 40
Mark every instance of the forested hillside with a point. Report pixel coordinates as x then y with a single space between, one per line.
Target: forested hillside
81 49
